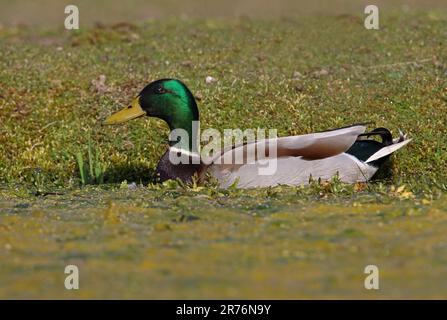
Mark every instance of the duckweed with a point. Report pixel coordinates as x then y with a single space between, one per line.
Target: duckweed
132 238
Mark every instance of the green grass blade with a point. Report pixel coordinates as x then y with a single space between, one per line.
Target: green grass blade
90 158
80 161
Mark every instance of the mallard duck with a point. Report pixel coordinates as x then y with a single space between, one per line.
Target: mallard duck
346 152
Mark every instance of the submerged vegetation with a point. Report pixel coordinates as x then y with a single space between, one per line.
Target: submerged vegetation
134 238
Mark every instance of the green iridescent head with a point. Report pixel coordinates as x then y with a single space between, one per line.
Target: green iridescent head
170 100
167 99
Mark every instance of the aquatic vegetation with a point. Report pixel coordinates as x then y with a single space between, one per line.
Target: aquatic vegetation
94 172
255 62
73 192
169 241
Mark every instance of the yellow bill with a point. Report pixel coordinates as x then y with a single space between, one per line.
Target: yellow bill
131 112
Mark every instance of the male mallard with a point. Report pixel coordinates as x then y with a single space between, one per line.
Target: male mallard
345 152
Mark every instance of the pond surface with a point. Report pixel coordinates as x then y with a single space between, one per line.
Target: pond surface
172 243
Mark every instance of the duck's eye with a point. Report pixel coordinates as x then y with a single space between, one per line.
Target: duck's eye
160 90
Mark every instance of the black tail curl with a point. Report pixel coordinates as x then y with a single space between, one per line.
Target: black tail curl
385 135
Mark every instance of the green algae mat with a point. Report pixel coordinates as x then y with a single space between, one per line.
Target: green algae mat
132 238
183 243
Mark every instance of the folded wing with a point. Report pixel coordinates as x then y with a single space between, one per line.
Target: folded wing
310 146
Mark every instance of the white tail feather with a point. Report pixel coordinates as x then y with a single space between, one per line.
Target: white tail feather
387 150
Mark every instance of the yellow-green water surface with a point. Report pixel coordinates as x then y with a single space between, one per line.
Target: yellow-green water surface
187 243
